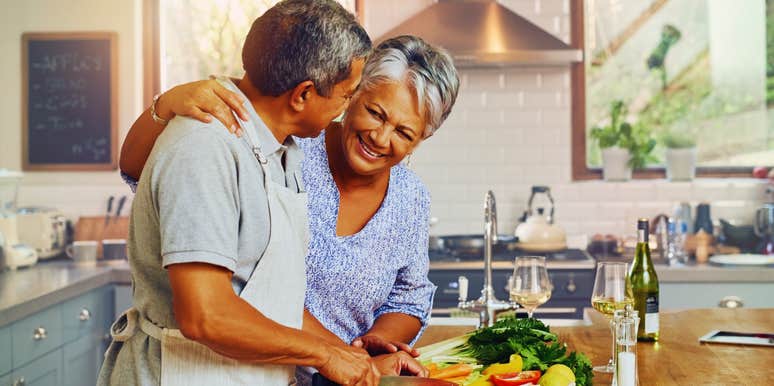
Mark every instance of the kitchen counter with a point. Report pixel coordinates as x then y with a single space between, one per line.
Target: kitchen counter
26 291
678 358
666 274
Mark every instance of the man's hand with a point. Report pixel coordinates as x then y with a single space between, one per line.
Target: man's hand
376 345
399 363
349 366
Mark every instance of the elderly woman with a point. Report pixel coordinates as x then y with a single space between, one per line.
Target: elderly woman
368 213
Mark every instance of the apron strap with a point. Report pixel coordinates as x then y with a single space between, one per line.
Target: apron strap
130 321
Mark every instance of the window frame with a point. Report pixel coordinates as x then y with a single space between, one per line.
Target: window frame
580 169
151 46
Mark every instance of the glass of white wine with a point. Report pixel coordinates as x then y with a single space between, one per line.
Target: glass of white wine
530 286
612 291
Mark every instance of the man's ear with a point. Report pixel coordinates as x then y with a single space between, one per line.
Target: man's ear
301 94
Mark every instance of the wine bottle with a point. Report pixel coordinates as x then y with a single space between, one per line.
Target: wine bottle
645 286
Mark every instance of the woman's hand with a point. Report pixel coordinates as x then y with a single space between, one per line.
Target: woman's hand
399 363
201 100
376 345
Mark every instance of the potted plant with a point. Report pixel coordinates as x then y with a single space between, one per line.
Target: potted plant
680 156
624 146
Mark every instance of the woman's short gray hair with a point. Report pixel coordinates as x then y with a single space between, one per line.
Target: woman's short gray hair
428 70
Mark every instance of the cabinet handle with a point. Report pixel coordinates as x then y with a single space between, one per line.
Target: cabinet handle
85 315
39 333
20 382
571 287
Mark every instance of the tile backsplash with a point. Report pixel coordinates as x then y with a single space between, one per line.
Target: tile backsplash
510 129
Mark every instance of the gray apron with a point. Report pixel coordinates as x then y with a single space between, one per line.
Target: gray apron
276 288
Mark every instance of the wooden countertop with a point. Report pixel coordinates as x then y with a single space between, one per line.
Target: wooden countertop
678 358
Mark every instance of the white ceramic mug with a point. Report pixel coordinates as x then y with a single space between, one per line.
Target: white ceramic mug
114 249
82 251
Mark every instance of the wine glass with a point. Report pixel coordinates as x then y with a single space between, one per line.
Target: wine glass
531 286
612 291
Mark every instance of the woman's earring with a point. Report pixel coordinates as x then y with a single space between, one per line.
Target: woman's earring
408 161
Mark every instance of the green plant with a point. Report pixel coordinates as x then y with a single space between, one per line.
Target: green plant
636 139
674 140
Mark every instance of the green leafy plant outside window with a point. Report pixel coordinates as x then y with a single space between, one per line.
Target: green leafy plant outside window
634 138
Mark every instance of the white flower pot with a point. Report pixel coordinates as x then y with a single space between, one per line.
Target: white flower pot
615 162
681 164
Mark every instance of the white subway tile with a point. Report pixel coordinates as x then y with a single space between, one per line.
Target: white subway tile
597 192
557 155
542 174
636 192
522 118
613 211
481 117
712 190
502 100
470 99
520 79
544 100
674 191
485 80
565 193
577 211
525 8
511 137
555 79
525 156
559 117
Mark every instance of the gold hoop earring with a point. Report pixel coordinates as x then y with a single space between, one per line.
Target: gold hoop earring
408 161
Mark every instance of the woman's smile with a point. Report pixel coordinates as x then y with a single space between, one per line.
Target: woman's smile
367 151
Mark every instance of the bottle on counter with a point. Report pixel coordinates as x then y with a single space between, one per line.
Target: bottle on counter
644 284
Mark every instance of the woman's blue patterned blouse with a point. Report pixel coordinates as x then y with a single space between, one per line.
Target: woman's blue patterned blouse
352 280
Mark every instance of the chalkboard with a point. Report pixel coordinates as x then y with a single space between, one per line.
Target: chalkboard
69 101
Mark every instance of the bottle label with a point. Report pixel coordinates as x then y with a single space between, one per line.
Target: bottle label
651 323
651 314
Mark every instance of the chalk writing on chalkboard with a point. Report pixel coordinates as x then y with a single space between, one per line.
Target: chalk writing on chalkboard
70 83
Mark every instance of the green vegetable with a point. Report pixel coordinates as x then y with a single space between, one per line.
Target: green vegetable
530 338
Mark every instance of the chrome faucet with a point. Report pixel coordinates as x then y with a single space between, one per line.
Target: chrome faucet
487 306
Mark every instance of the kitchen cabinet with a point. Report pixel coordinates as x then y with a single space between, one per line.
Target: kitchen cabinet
709 295
44 371
62 345
36 335
5 355
82 360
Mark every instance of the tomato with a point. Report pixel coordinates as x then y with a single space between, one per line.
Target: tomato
514 379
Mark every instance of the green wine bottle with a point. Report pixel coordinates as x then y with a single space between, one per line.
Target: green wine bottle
645 286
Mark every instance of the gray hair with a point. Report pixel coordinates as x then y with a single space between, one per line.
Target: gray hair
299 40
428 70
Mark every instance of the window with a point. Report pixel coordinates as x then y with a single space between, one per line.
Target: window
193 39
688 69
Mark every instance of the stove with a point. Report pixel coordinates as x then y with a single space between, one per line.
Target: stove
571 271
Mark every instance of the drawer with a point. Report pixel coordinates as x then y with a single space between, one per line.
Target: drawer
36 335
80 315
44 371
5 352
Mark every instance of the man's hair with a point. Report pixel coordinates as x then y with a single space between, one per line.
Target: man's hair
428 70
300 40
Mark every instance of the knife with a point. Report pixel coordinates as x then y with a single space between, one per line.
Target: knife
109 209
121 202
319 380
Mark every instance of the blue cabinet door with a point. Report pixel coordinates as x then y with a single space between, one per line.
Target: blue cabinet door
80 361
5 380
44 371
36 335
5 352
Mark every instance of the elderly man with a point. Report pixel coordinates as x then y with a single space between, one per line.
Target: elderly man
219 231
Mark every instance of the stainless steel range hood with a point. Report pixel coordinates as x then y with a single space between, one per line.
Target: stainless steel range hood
486 34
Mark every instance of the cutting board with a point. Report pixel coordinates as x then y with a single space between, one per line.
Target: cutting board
95 228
